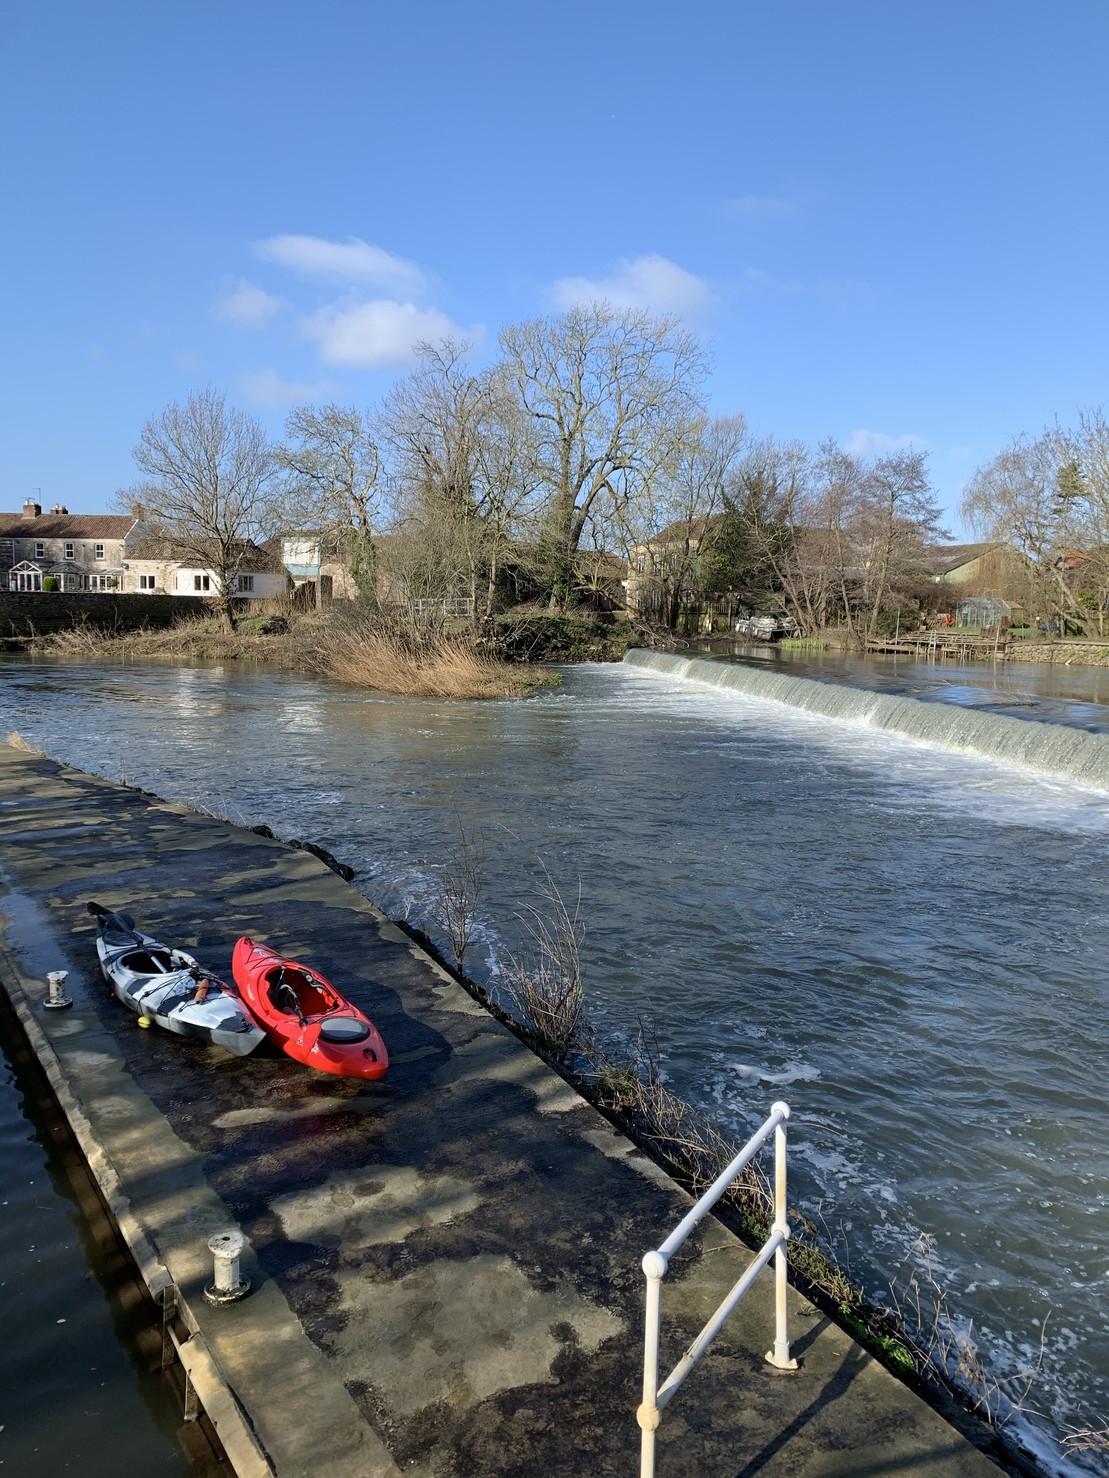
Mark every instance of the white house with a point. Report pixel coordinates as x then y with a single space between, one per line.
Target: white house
152 569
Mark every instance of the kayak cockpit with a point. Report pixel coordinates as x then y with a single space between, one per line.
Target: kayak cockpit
297 993
147 962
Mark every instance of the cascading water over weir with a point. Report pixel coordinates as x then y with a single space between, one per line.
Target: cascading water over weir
1050 749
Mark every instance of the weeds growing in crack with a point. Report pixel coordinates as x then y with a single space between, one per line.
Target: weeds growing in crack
458 892
543 980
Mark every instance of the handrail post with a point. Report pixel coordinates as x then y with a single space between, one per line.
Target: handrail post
648 1416
779 1356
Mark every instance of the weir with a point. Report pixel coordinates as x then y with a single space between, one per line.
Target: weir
1049 749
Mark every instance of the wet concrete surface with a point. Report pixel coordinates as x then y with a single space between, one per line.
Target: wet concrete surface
445 1266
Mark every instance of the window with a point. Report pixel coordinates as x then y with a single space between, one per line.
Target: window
68 550
246 584
146 582
98 551
201 582
40 549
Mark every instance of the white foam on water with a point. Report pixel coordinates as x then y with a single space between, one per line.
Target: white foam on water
931 755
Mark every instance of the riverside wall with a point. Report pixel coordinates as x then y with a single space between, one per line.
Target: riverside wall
1062 653
25 614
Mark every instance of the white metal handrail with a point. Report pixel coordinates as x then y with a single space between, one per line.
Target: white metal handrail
655 1264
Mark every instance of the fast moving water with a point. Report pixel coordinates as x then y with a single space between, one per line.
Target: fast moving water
906 941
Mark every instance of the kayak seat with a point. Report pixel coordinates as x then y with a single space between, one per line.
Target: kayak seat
285 998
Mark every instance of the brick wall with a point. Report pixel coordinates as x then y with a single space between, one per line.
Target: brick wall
24 613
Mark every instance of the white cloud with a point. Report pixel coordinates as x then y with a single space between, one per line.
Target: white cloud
761 207
379 334
865 443
348 261
650 281
266 387
246 305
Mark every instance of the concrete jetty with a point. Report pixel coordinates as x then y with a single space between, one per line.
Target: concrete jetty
445 1266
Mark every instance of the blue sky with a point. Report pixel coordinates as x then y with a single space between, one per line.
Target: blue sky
888 220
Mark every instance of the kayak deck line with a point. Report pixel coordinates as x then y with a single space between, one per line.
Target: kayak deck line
443 1264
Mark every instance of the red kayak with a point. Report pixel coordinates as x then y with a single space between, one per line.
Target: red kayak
307 1018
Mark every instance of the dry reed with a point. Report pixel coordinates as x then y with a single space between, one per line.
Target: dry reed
454 907
544 982
442 668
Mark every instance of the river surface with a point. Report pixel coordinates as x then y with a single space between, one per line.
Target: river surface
79 1396
902 936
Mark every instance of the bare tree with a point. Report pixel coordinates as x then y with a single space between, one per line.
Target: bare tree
332 471
434 422
1015 498
431 420
612 396
896 517
209 472
463 454
506 487
759 540
684 508
1082 502
423 565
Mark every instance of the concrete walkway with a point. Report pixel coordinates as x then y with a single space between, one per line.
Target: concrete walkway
445 1266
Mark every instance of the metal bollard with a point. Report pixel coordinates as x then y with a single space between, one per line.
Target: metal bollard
227 1286
56 998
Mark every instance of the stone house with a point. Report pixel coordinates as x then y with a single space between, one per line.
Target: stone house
63 551
662 567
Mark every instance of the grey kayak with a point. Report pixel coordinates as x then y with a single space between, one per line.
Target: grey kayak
168 986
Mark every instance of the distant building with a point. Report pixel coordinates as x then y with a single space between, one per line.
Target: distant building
987 568
302 556
664 561
153 568
64 551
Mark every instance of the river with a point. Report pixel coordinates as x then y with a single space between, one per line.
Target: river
894 922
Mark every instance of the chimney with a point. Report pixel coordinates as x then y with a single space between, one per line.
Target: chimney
59 508
31 510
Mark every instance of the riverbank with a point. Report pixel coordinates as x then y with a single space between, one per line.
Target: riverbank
354 646
445 1266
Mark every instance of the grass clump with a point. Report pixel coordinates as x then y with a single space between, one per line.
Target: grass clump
544 981
440 666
